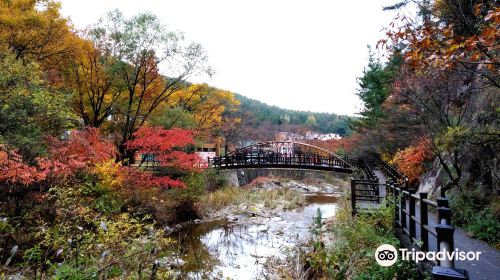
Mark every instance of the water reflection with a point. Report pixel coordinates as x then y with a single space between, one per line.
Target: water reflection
219 249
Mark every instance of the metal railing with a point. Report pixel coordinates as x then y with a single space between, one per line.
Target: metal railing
278 160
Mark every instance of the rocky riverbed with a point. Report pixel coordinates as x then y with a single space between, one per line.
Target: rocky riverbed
236 241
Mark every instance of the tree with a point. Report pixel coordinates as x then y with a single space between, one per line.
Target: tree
174 117
83 149
15 172
140 45
208 106
167 147
452 34
311 121
29 110
446 91
34 30
411 160
439 106
230 129
374 88
91 75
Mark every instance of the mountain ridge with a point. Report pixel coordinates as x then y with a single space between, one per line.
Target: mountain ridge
284 118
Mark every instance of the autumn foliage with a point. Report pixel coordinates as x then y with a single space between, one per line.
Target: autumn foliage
411 160
83 148
344 145
450 36
167 147
14 171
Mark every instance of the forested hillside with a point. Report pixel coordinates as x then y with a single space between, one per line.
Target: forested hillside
256 114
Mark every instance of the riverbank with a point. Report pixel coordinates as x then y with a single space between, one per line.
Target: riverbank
243 228
265 194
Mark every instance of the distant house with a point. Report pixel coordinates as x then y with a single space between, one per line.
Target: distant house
289 136
310 135
207 150
329 136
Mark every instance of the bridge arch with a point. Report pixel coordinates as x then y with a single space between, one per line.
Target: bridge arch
286 154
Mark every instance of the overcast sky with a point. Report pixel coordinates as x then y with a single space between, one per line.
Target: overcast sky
301 55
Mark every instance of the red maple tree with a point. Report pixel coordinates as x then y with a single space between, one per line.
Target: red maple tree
84 148
168 148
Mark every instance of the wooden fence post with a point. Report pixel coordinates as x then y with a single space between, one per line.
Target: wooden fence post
396 209
445 243
442 202
424 221
412 225
402 207
353 197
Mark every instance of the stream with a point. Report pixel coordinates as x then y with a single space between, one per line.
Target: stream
238 250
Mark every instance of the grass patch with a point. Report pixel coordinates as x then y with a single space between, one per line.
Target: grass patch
271 198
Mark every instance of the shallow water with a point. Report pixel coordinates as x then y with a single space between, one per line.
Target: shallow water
222 250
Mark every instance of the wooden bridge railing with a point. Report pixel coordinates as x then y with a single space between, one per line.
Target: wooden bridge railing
277 160
391 172
366 187
367 191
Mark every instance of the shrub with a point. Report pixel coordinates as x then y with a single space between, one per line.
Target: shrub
351 254
474 211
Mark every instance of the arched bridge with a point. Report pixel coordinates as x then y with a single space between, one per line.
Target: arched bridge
282 154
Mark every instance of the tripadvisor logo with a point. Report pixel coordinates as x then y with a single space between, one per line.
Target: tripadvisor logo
387 255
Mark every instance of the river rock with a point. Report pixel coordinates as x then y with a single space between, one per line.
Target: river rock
310 188
262 228
276 219
328 188
16 277
242 207
169 262
168 229
231 218
268 185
